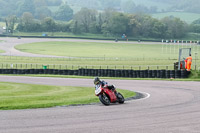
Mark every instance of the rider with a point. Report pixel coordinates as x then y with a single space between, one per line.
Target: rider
97 81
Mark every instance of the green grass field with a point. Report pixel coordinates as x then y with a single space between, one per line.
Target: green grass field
2 51
26 96
94 50
103 50
187 17
150 3
104 54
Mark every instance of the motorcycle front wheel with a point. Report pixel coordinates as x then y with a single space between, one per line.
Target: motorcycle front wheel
104 99
120 98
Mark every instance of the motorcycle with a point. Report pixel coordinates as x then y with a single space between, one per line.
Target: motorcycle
107 96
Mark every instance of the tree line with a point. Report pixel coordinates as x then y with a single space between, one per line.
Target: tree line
43 8
36 7
109 23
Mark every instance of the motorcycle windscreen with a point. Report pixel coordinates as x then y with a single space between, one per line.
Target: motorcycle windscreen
97 89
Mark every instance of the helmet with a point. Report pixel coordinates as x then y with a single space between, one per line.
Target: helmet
96 80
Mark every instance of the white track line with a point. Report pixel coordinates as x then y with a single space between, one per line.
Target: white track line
147 95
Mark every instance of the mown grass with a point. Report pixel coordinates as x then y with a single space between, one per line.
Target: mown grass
2 51
14 62
26 96
94 50
150 3
106 54
185 16
106 50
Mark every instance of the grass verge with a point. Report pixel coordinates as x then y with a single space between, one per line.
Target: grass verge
194 76
112 55
27 96
2 51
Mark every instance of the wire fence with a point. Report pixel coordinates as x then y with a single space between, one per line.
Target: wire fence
63 63
76 67
5 57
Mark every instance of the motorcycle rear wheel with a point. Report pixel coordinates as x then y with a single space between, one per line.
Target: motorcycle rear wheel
104 99
120 98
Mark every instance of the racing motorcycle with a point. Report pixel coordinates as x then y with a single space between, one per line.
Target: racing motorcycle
107 95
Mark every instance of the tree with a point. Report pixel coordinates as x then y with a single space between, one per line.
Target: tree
158 29
196 21
48 24
195 28
64 13
85 17
27 23
27 18
74 27
118 24
133 25
42 12
7 7
10 23
105 18
26 6
176 28
99 23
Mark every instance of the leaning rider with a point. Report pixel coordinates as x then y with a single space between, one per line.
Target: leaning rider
98 82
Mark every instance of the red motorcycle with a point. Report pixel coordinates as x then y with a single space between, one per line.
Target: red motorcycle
107 95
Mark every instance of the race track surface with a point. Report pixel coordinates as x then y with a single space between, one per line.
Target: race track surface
170 106
173 107
9 43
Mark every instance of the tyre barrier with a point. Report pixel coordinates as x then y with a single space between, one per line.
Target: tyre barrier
104 72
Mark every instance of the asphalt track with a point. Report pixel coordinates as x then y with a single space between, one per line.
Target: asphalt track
8 45
170 107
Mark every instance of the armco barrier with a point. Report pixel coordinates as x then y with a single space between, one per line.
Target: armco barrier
104 72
